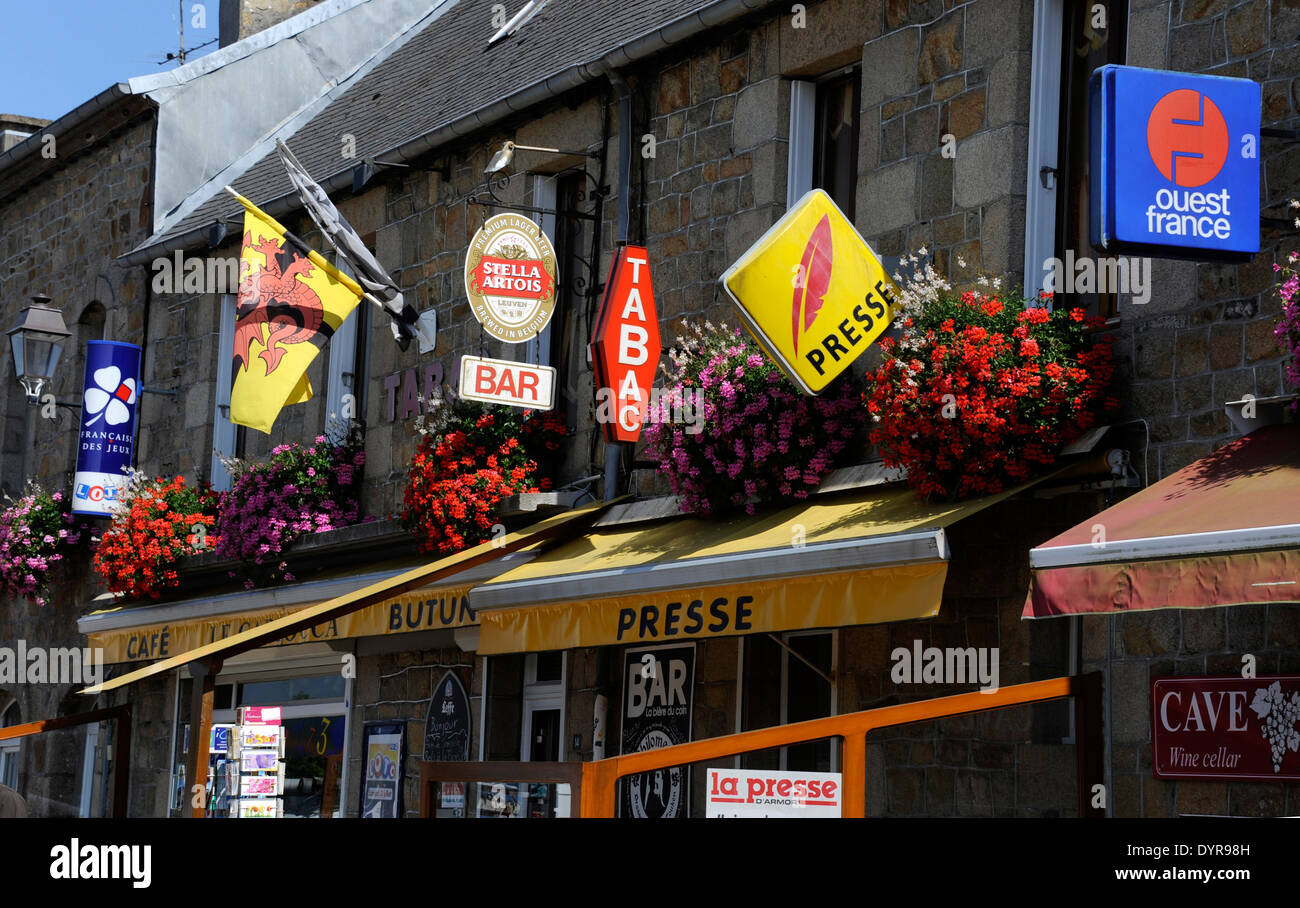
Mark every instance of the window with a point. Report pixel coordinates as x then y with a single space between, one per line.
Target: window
1067 48
1084 50
9 716
562 343
786 680
346 359
227 438
835 153
543 716
537 350
524 720
90 326
314 714
824 138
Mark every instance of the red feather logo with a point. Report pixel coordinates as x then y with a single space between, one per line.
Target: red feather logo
814 278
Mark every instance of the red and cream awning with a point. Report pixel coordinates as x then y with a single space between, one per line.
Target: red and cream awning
1223 531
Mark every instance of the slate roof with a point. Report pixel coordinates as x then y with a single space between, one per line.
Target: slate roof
439 76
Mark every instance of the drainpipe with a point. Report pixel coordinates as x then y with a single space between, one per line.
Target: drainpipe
144 359
614 450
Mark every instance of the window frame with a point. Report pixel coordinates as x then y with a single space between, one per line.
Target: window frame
227 440
540 696
852 75
10 751
342 368
743 687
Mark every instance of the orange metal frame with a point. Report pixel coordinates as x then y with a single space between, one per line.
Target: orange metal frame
121 743
599 779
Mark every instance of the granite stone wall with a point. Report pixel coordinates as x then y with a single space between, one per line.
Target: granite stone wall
59 236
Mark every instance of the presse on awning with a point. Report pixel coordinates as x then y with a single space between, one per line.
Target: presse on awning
558 527
862 558
1221 531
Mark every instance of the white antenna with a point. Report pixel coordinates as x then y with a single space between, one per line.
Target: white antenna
521 18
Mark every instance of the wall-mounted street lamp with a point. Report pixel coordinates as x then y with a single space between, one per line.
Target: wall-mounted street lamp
37 344
501 160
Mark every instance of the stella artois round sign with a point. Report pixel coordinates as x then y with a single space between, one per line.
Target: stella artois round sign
510 278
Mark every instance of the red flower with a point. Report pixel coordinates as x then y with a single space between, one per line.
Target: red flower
456 481
137 550
991 405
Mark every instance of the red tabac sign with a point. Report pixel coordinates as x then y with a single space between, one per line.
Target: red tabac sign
625 346
1226 728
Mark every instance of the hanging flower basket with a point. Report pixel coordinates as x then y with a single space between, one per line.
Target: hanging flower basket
472 456
760 438
157 523
36 531
983 388
302 489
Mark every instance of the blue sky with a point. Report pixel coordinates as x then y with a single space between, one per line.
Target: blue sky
59 53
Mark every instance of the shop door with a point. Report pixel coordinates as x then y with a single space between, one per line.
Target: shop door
543 721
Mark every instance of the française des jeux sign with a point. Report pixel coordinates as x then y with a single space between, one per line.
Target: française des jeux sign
625 344
1226 728
812 292
1175 164
109 400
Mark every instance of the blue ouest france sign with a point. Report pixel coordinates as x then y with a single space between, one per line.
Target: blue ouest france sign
1175 164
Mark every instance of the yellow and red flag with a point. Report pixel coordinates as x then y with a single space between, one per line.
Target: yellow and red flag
291 301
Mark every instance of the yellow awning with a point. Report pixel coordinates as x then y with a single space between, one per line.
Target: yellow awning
862 558
427 608
560 526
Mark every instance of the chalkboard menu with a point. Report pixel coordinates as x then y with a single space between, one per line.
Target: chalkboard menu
446 732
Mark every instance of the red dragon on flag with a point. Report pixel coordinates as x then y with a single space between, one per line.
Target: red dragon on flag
275 308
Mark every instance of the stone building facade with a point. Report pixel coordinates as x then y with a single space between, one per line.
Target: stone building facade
67 218
942 105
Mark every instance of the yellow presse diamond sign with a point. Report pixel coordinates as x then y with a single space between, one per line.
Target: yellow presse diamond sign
812 292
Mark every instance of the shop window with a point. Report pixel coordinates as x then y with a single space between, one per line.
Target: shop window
505 689
1053 653
276 693
788 683
1085 48
227 438
314 715
11 715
